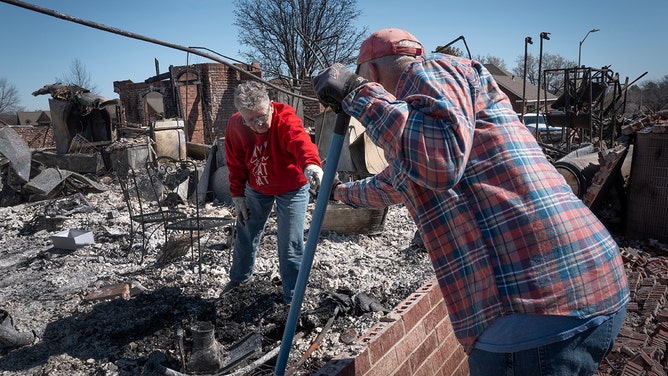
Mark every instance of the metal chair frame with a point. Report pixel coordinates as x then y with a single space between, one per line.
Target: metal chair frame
141 220
177 171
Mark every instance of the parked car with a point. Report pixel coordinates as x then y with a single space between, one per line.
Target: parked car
547 133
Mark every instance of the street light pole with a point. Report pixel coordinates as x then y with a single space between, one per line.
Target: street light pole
543 35
582 41
527 41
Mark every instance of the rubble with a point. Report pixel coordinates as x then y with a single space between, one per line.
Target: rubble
656 123
14 148
102 309
114 306
98 310
9 336
640 348
124 290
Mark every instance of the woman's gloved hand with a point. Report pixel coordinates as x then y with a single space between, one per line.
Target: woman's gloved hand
313 173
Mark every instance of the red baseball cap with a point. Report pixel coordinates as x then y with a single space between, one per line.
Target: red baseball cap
390 41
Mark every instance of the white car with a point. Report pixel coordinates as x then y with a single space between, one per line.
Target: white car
547 133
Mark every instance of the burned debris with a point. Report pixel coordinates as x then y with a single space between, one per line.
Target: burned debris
9 336
145 297
141 298
640 348
76 111
117 315
77 115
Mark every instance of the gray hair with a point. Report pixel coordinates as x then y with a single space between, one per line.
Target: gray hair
251 95
396 63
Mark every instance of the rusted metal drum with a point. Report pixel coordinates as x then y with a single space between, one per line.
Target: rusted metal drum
579 168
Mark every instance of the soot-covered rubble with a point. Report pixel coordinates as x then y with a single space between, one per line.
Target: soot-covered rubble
107 309
98 310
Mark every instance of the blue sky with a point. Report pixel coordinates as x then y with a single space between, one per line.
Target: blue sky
39 48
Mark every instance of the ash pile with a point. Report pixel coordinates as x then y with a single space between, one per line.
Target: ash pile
99 309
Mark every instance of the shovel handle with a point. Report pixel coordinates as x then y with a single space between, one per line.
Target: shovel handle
342 122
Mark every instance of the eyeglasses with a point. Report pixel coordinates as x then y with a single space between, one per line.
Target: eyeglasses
258 120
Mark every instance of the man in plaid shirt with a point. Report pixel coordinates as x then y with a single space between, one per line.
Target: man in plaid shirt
533 281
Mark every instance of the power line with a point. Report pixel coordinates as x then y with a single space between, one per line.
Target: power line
128 34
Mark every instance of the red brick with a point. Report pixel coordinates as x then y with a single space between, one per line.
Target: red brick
444 330
385 366
363 362
435 294
347 364
213 99
339 367
454 345
435 362
425 349
452 368
411 341
438 316
427 286
430 348
425 369
416 311
432 288
441 355
404 369
384 337
460 358
462 369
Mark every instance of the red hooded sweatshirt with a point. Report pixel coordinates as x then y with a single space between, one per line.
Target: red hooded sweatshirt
273 162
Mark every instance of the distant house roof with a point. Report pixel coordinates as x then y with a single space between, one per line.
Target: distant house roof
34 118
515 84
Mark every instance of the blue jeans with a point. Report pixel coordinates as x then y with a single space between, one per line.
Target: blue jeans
578 355
290 216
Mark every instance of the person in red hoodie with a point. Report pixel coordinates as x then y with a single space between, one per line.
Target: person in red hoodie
271 159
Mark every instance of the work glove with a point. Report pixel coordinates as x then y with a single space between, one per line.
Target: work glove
313 174
335 183
241 209
334 83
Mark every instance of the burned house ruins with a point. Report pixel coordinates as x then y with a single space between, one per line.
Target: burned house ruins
92 248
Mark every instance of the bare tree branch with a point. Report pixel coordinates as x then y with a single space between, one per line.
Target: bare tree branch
9 96
79 76
293 38
552 67
655 95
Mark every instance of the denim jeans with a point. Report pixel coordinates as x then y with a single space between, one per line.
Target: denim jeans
578 355
290 216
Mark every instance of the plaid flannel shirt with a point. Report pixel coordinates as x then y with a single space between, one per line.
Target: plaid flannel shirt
503 229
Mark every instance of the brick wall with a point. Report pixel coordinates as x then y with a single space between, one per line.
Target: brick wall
210 98
416 338
218 82
219 98
204 91
132 96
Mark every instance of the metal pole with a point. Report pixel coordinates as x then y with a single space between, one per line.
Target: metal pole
543 35
527 41
340 129
582 41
